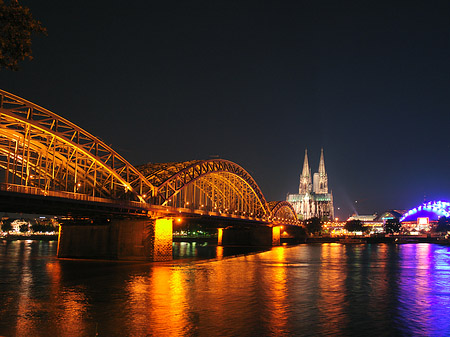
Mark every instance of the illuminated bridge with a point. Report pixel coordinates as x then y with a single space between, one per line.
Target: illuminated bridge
49 165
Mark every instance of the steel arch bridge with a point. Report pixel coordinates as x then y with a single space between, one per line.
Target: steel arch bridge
43 153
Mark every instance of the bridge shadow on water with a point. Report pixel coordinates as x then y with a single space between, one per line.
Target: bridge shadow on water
207 250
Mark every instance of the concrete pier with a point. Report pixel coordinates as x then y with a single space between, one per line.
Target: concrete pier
124 239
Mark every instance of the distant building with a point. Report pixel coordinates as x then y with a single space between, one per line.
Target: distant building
313 199
371 221
363 218
425 216
376 222
391 215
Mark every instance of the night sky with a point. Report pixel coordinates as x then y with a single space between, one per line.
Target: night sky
257 82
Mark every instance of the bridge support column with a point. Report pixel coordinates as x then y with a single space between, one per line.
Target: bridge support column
161 245
254 236
276 241
126 239
219 236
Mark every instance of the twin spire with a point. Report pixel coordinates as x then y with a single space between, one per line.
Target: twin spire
313 199
306 169
322 164
320 179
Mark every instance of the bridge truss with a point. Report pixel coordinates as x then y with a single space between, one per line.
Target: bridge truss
41 149
213 185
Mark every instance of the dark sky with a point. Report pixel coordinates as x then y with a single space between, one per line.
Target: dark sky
257 82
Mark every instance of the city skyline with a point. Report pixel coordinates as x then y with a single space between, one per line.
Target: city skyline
257 84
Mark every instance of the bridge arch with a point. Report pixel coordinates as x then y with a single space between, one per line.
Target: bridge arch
215 185
282 210
40 149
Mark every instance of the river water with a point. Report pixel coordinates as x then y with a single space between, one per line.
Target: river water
304 290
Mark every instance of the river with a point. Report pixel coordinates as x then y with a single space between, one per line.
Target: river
304 290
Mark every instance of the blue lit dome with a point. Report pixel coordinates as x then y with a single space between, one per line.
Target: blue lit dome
432 210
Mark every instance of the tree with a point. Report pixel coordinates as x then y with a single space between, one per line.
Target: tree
392 226
313 225
443 224
23 228
6 226
354 226
43 227
16 27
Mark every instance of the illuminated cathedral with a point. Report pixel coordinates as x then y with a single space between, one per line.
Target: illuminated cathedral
313 199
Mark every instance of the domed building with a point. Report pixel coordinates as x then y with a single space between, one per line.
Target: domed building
391 215
421 218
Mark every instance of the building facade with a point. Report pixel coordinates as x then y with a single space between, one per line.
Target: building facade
313 199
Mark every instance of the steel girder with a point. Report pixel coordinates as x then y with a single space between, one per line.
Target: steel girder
39 148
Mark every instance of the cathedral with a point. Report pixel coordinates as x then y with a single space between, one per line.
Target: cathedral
313 199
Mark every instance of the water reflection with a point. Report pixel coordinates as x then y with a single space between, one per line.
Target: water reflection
306 290
331 311
37 294
274 301
205 250
424 295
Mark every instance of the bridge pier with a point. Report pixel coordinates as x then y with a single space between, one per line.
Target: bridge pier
124 239
253 236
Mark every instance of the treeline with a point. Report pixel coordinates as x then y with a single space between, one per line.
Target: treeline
44 228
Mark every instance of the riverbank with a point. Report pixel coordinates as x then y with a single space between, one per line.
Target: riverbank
194 239
42 237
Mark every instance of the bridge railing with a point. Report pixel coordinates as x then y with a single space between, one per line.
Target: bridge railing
68 195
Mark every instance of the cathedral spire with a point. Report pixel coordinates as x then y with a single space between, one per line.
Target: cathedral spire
322 164
321 181
306 170
305 177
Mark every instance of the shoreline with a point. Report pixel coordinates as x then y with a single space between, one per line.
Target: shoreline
39 237
397 239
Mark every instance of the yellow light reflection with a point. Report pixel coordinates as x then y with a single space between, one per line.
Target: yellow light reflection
219 252
332 289
163 295
276 300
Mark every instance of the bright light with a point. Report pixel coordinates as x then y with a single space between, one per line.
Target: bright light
422 221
